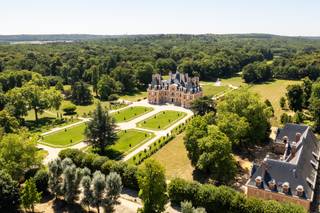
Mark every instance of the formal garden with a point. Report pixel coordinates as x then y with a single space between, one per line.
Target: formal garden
130 113
161 120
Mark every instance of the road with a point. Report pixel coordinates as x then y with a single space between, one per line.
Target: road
53 152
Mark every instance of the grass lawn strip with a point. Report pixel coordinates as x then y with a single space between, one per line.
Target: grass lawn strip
65 137
132 137
162 119
130 113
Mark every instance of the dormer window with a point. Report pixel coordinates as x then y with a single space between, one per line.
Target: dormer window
314 164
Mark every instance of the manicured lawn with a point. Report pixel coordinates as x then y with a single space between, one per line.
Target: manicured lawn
161 120
131 139
273 91
130 113
209 89
66 137
135 96
173 156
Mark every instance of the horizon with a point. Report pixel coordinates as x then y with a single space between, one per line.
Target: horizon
143 17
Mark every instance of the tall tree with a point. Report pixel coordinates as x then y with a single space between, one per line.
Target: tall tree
95 78
107 86
18 153
248 105
315 105
295 97
100 129
113 188
215 155
87 198
203 105
29 195
8 122
81 94
55 170
9 192
98 192
152 184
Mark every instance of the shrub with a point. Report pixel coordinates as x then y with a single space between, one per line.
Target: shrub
69 109
41 179
113 97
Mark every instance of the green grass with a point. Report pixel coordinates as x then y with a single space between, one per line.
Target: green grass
135 96
131 139
273 91
130 113
209 89
62 138
173 157
161 120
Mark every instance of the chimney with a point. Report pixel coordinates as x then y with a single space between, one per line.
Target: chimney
300 191
272 185
258 181
293 149
285 187
298 136
285 139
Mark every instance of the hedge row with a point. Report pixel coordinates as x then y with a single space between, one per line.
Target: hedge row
223 199
105 165
157 145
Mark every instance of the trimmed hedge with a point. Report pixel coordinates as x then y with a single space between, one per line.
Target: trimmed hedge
223 199
105 165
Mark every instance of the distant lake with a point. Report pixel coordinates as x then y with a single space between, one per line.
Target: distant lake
41 42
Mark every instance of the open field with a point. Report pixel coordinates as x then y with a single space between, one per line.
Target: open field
131 139
161 120
209 89
130 113
134 97
173 156
66 137
273 91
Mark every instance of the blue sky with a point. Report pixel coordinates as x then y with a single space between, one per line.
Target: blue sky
283 17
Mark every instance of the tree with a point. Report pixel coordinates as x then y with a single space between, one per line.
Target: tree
87 198
203 105
29 195
81 94
307 90
8 122
99 185
197 128
107 86
69 109
282 102
256 72
95 78
295 97
25 155
16 104
215 155
269 105
9 192
152 184
113 188
100 129
144 73
315 105
248 105
235 127
186 207
40 98
124 74
71 180
55 170
166 65
41 179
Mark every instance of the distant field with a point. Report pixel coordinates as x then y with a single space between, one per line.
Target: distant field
161 120
66 137
209 89
273 91
173 156
131 139
130 113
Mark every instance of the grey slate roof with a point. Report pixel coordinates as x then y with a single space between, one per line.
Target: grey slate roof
182 81
297 170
